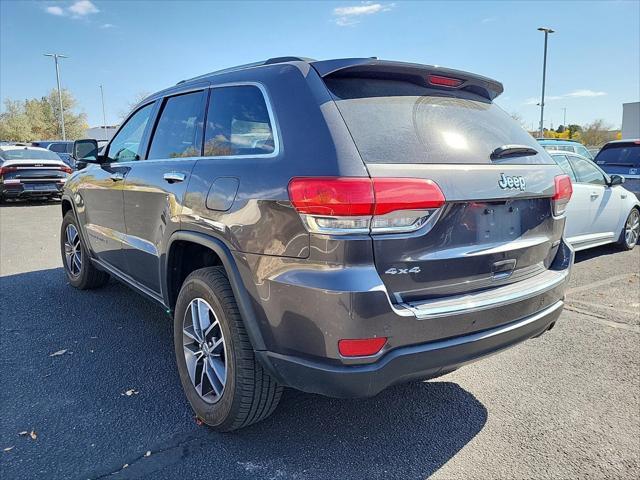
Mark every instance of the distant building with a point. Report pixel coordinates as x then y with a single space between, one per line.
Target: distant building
101 133
631 120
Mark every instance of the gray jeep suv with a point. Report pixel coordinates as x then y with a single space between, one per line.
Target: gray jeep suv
333 226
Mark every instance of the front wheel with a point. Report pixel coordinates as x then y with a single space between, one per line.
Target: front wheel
630 231
81 273
224 383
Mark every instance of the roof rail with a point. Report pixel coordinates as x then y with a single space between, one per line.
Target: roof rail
269 61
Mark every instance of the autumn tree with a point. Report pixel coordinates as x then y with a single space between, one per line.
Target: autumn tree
38 119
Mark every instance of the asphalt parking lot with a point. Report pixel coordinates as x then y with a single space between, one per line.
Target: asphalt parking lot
566 405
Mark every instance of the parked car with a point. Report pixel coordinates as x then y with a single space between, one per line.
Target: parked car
565 146
28 172
333 226
62 147
622 157
601 210
593 151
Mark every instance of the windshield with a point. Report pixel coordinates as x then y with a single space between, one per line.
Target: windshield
28 154
395 121
621 155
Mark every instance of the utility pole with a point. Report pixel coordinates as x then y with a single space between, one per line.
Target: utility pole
104 117
56 56
564 121
546 31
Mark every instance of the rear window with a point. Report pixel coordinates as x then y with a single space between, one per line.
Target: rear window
28 154
61 147
620 155
395 121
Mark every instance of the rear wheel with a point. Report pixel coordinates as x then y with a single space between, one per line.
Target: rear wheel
81 273
630 231
224 383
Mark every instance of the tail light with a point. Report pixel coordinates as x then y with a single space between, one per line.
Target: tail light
67 169
346 205
361 347
562 195
4 170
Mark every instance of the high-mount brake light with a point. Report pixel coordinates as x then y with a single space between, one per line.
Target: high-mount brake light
346 205
562 194
441 81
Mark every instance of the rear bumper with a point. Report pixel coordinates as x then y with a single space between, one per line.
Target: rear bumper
408 363
24 190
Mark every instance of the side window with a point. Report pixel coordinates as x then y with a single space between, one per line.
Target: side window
564 164
125 146
587 172
580 150
58 147
179 129
238 123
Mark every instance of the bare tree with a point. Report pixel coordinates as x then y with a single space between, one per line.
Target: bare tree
597 133
133 103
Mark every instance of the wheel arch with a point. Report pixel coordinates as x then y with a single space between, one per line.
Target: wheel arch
223 253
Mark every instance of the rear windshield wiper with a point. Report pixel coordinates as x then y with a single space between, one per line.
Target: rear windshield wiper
512 151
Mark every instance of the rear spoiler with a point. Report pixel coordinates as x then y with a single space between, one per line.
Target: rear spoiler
414 72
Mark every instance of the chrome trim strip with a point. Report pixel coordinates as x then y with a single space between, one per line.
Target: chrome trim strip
496 297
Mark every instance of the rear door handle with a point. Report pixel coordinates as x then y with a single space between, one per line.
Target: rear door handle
174 177
117 177
595 194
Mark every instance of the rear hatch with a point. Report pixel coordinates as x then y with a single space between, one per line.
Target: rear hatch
496 226
622 158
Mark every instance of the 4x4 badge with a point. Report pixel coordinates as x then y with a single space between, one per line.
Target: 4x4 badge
507 182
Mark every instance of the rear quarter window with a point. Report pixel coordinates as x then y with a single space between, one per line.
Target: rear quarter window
395 121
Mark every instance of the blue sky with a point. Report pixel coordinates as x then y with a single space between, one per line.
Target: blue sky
138 46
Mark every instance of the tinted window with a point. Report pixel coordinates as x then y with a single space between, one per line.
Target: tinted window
238 123
179 130
125 146
562 161
580 150
586 171
620 155
61 147
394 121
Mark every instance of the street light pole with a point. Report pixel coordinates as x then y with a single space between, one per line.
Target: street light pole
546 31
56 56
104 117
564 121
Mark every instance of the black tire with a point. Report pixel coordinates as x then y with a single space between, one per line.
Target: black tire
87 276
623 241
249 394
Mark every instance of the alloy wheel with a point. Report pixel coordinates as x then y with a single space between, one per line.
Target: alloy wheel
632 228
72 250
204 350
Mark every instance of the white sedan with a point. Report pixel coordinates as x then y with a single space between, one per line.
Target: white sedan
601 210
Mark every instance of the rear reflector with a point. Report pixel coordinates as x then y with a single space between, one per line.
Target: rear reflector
444 81
562 194
361 347
343 205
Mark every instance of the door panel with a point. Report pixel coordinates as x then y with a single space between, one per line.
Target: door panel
101 188
604 208
101 191
155 187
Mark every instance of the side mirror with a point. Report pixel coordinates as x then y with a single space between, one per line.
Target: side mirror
616 180
86 150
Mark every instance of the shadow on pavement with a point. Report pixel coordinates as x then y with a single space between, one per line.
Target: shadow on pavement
115 341
590 253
